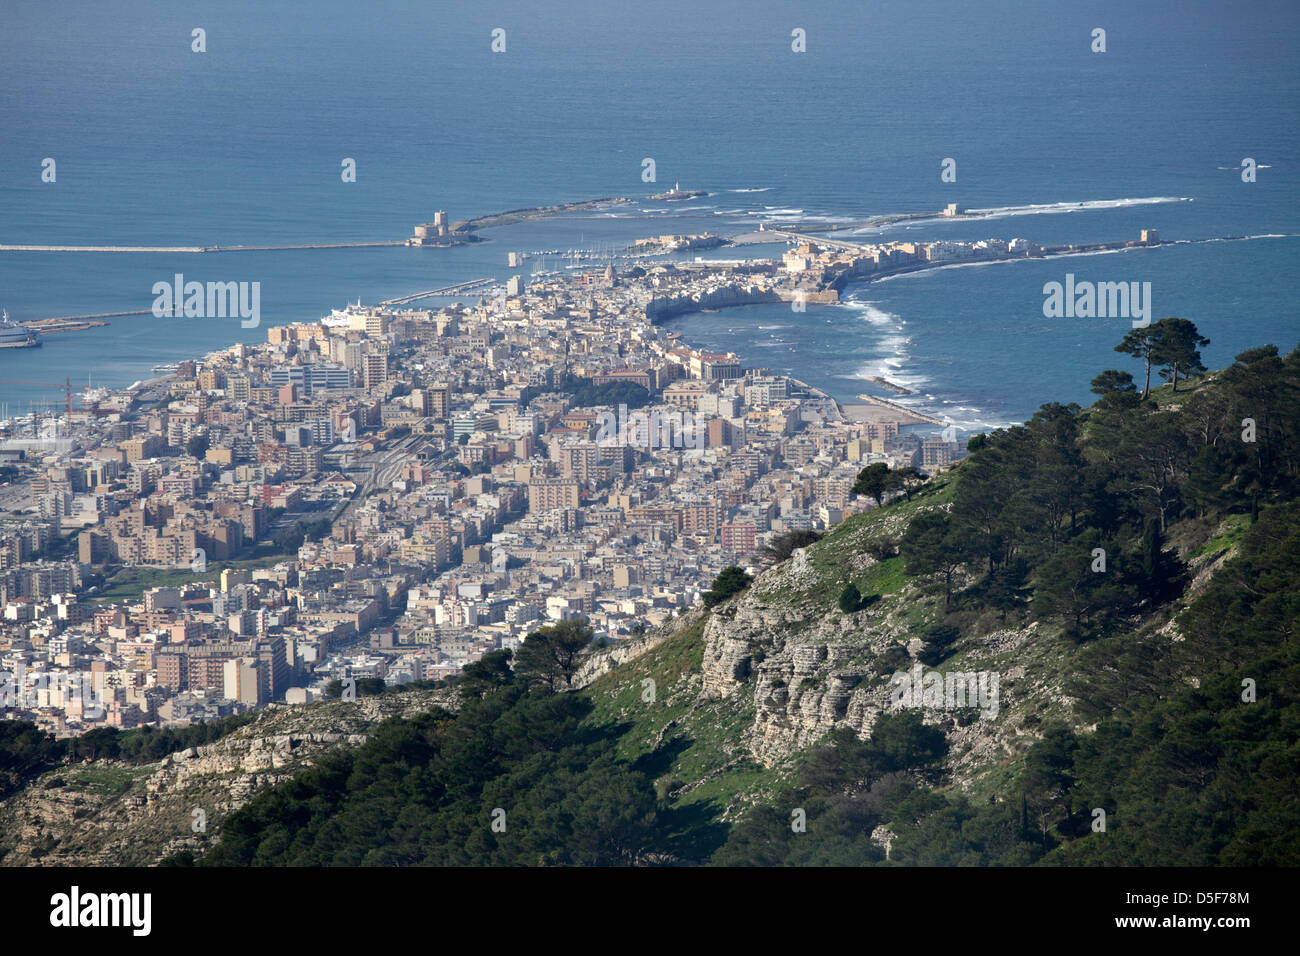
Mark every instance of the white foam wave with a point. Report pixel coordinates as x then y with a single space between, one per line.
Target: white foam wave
1003 262
1032 209
1080 255
871 312
1037 209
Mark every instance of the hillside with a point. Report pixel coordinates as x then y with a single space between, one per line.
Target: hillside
1119 582
115 812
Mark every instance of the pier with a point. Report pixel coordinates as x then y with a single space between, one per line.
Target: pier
456 289
820 240
457 234
903 410
69 323
199 249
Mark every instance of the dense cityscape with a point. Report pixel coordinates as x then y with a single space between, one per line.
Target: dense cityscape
393 493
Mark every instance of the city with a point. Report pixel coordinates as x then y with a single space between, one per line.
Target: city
434 484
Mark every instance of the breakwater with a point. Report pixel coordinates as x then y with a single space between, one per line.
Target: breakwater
512 216
459 233
196 249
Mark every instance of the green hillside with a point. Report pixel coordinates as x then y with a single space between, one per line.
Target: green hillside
1121 578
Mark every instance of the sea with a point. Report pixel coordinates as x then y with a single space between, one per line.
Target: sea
1056 141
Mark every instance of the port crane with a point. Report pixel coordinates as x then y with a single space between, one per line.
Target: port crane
65 386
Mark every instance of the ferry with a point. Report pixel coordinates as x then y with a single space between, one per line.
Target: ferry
342 318
15 336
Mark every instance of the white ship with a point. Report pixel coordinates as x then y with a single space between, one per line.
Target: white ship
342 318
14 336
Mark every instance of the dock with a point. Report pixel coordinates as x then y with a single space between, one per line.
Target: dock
70 323
456 289
909 412
194 250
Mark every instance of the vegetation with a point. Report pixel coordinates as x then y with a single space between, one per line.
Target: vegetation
291 538
845 790
786 543
513 779
1066 518
1202 776
850 598
1171 345
26 751
549 657
130 583
198 444
1175 744
587 393
729 582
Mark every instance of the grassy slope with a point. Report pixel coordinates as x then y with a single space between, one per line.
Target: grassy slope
90 820
694 749
691 747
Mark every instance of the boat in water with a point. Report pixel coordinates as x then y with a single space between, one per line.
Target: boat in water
15 336
344 318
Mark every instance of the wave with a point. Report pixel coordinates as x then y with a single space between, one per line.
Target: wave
896 366
1051 208
1035 209
1265 235
871 312
763 190
800 216
1003 262
1078 255
891 368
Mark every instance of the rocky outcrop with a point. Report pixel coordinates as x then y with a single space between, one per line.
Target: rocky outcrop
809 668
110 813
604 660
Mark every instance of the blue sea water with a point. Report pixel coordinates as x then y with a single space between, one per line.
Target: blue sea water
242 144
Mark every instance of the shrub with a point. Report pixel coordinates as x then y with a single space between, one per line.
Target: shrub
939 639
731 581
850 598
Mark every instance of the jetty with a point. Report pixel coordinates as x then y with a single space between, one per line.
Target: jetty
194 250
894 407
69 323
456 289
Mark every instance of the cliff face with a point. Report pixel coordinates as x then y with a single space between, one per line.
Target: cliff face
112 813
783 651
745 689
